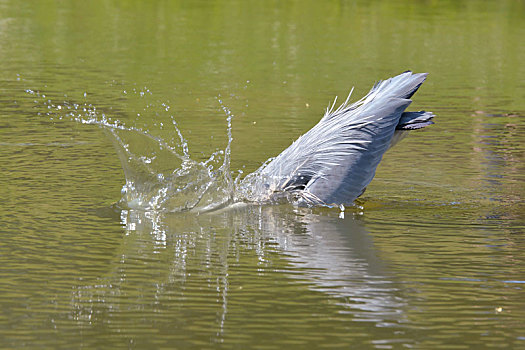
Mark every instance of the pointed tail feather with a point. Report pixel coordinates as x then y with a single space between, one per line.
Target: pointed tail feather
403 85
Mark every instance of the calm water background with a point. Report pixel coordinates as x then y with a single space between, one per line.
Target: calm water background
434 259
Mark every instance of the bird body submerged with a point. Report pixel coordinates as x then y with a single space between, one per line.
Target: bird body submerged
333 163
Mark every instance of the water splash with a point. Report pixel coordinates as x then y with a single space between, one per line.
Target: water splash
160 175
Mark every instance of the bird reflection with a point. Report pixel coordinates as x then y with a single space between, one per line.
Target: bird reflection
336 255
201 263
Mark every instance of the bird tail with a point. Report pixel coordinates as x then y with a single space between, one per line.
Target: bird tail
403 85
415 120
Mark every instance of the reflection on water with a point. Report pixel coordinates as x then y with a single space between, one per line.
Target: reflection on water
306 254
499 157
337 254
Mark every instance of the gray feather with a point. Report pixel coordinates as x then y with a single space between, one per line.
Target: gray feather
334 162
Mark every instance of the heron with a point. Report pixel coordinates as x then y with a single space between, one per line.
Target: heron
333 163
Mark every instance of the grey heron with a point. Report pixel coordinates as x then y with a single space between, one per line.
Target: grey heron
333 163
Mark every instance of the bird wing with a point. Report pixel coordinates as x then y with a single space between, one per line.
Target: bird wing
355 150
335 160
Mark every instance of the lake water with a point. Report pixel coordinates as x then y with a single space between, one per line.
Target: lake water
432 257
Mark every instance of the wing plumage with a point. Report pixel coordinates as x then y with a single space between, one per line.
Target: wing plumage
333 162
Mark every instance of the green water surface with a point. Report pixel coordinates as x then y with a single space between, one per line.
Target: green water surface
434 259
